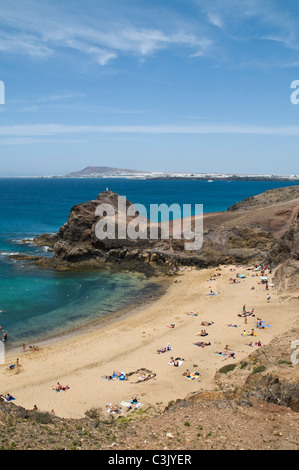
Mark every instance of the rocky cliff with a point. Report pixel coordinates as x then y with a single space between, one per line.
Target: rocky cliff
260 229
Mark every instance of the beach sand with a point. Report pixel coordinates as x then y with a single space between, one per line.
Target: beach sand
131 343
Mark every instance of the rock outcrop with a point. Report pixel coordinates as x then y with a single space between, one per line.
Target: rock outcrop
260 229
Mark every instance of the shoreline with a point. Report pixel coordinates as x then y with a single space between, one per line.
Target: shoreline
105 320
131 342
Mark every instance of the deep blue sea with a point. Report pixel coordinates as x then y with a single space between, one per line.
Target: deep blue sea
38 303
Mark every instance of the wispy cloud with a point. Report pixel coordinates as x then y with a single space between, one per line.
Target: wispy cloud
63 129
105 32
32 30
255 23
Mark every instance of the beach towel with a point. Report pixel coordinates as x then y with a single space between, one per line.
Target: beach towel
263 325
127 404
192 376
179 363
9 399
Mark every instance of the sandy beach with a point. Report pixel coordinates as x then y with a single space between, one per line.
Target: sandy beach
131 343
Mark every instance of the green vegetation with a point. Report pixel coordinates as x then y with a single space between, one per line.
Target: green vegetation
258 369
228 368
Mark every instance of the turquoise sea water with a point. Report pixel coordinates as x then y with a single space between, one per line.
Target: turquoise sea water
39 303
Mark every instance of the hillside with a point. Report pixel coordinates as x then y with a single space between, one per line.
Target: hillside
101 171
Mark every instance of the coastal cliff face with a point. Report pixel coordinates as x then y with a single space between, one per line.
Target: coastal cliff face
260 229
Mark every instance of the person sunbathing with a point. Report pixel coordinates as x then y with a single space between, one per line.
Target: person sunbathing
164 349
145 376
61 387
118 374
112 408
226 352
257 343
186 373
201 344
206 323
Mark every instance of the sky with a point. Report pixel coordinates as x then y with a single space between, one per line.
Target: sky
169 85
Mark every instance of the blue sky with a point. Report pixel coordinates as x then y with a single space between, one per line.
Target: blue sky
169 85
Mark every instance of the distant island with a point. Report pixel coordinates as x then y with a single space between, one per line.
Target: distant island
110 172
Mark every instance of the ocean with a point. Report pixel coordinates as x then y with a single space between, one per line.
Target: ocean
39 304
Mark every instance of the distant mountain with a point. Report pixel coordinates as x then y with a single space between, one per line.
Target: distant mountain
102 171
109 172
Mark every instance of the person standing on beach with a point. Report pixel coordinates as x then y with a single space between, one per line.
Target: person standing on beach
4 337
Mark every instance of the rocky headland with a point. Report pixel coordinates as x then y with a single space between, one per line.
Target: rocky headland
259 230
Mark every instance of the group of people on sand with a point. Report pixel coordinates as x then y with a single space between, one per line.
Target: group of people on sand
134 402
177 361
227 352
116 375
17 364
59 387
249 333
33 348
6 397
255 343
246 313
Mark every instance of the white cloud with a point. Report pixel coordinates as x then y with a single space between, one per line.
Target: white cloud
105 32
216 20
36 130
20 43
31 29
